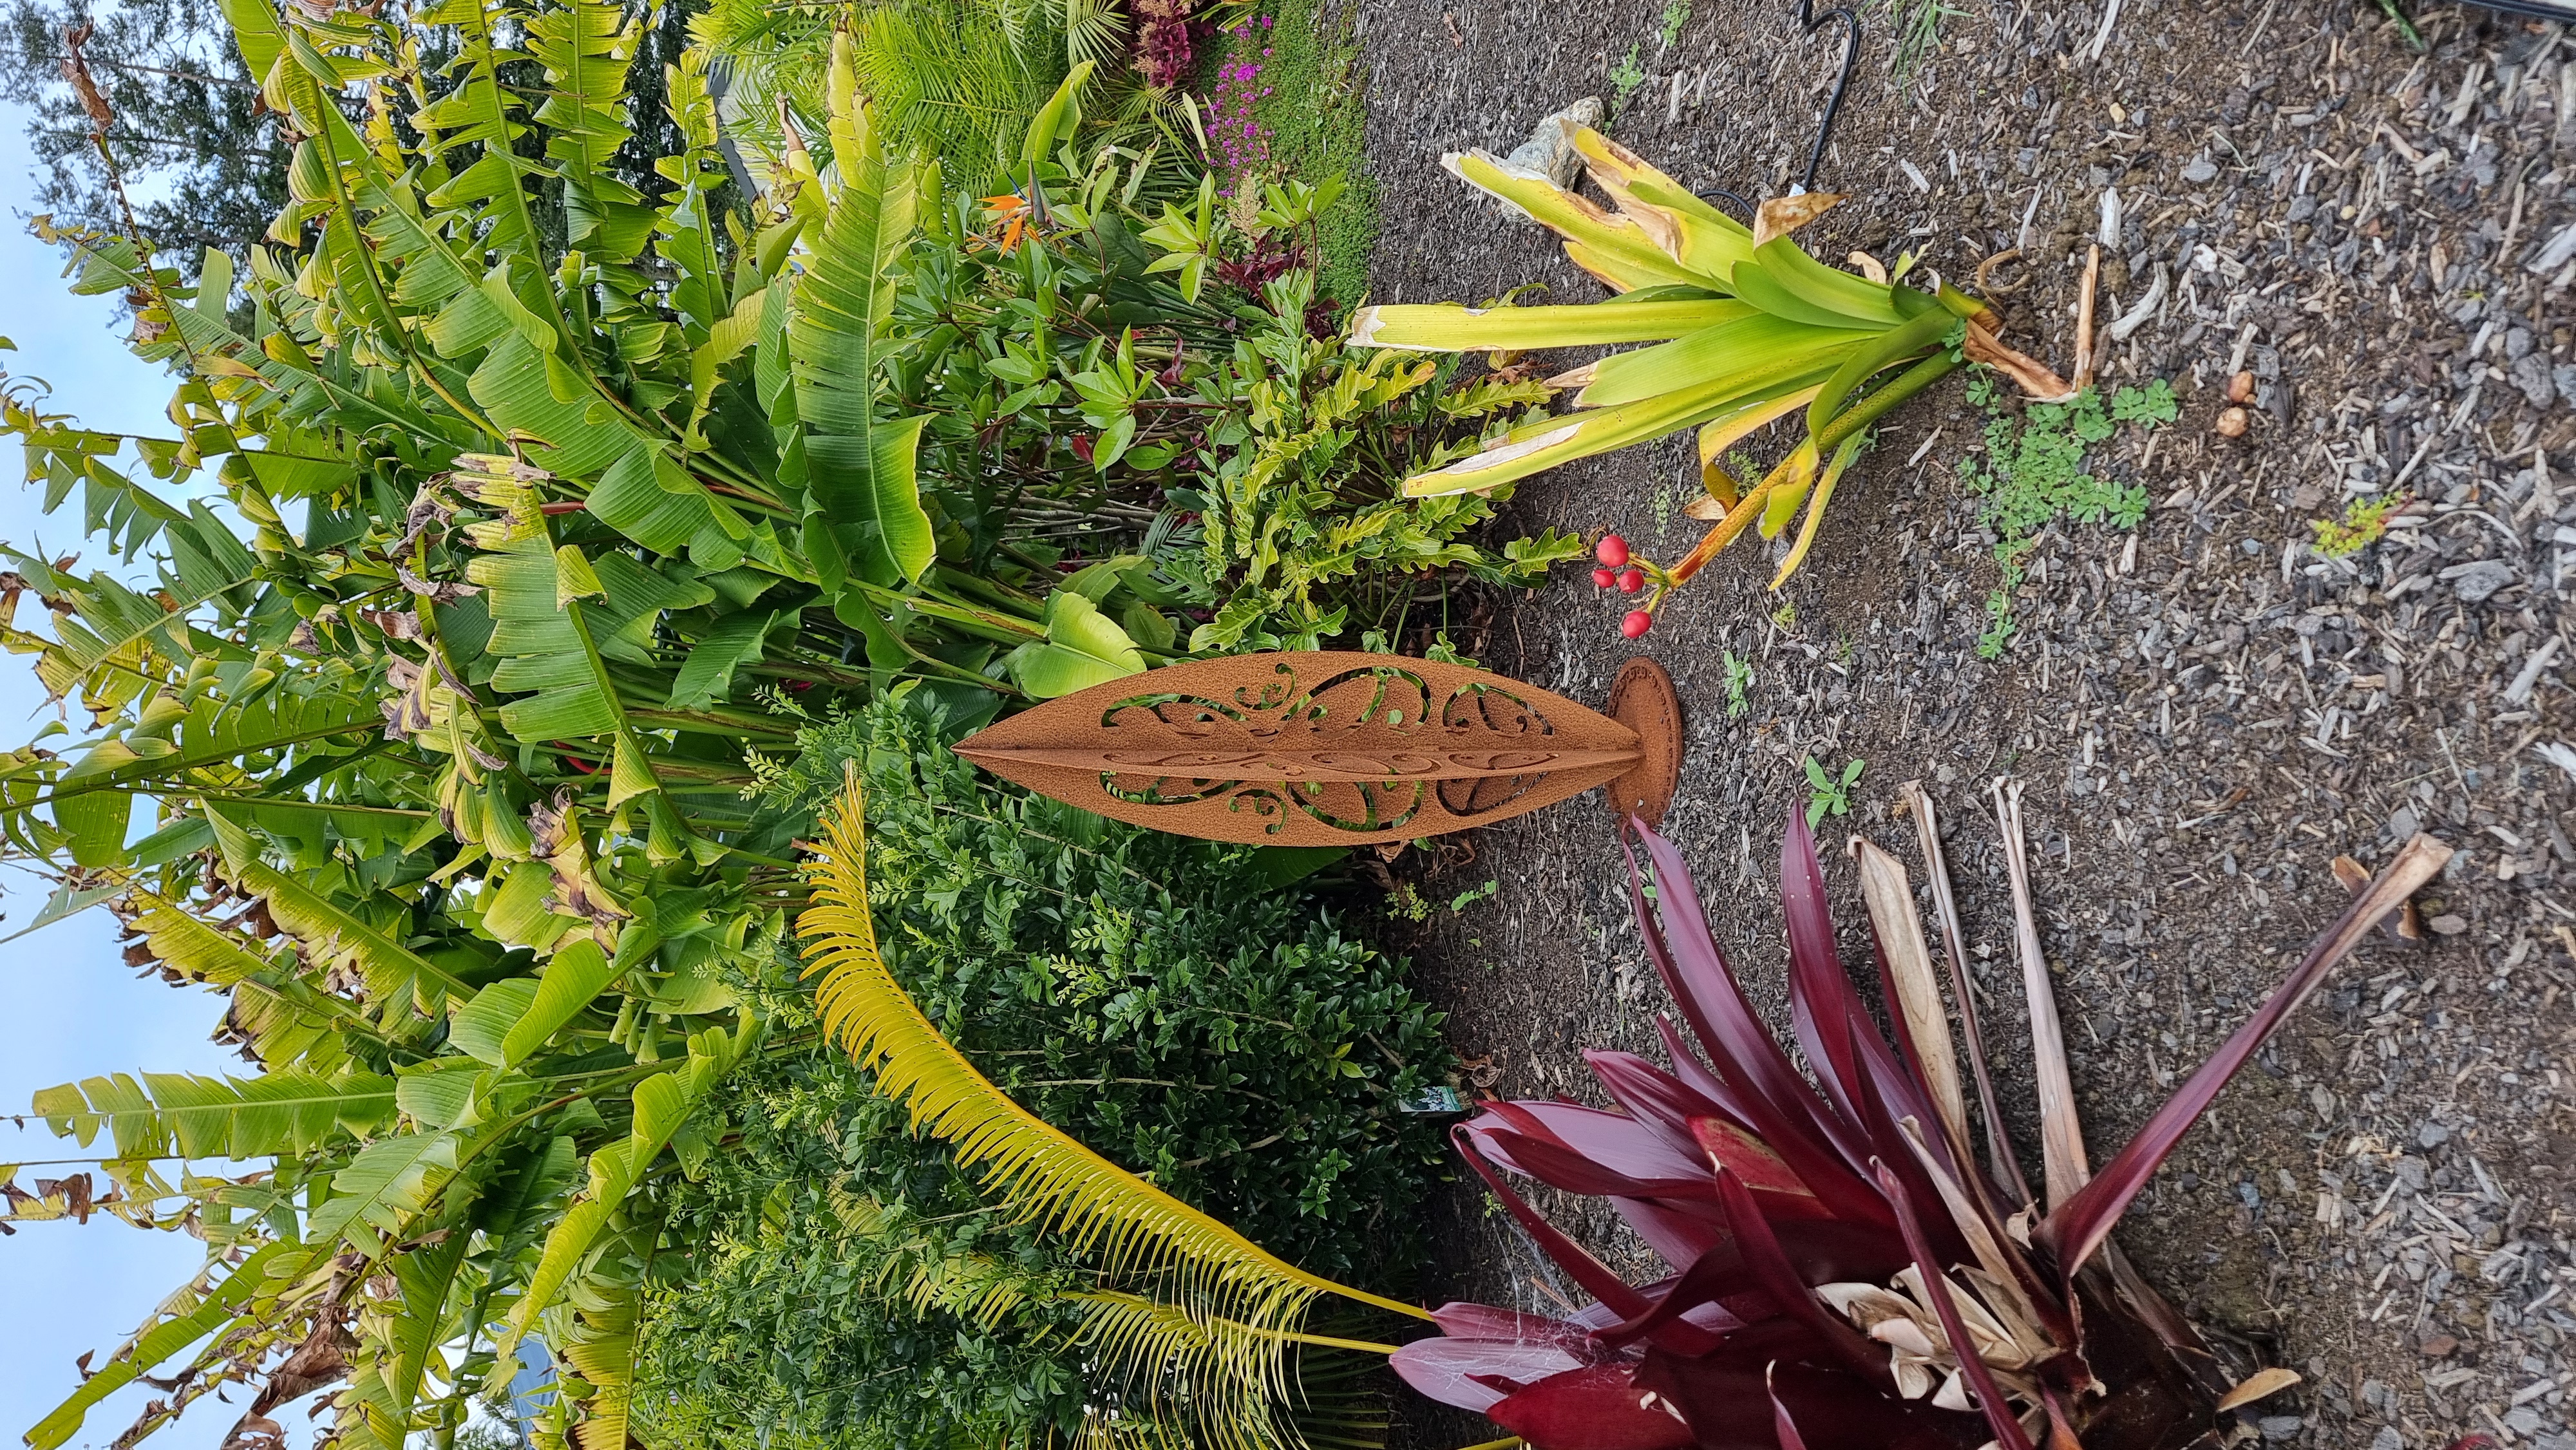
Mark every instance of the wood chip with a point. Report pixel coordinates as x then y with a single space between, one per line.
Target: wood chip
2256 1386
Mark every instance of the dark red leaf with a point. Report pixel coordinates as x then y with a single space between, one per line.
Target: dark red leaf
1880 1121
1680 1233
1719 1277
1724 1402
1781 1424
1597 1407
1821 999
1837 1411
1752 1160
1659 1099
1561 1167
1780 1281
1441 1368
1764 1089
2075 1228
1612 1141
1595 1277
1704 987
1837 1251
1483 1321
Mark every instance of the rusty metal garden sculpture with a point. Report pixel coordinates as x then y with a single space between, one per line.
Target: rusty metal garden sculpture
1332 748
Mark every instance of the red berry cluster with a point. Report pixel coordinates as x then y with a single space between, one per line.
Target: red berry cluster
1617 573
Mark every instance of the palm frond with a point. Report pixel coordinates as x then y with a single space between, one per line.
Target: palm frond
952 83
1213 1341
1094 30
1156 1365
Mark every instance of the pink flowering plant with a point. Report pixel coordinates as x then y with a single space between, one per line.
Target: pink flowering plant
1238 144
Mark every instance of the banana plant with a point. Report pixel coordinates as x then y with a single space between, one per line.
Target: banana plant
1746 329
414 712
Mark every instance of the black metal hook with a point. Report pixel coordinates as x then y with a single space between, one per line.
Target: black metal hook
1717 194
1809 22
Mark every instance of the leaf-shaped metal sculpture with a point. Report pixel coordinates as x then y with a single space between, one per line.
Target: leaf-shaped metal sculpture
1322 748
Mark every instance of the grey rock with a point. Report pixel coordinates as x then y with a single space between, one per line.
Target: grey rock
2531 373
2388 1439
2517 343
2523 1420
2432 1135
2565 376
2201 171
2401 824
2279 1427
1550 148
2476 582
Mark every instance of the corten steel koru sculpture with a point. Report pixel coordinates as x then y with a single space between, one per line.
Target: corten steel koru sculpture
1321 748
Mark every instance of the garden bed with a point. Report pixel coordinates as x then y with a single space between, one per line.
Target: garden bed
2206 711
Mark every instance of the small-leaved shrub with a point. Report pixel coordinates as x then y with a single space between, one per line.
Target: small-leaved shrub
2031 474
2363 523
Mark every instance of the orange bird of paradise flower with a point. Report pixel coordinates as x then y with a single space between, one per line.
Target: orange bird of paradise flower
1016 209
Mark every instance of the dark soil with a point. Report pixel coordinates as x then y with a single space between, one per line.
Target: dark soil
2205 717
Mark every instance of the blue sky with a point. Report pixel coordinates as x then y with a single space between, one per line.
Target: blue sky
75 1009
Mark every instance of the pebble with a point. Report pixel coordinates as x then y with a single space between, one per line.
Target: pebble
2532 374
2432 1135
2280 1427
2440 1346
2388 1439
2201 171
2449 925
2478 581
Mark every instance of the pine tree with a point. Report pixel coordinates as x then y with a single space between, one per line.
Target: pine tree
203 162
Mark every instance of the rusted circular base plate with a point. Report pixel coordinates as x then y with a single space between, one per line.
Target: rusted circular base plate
1641 698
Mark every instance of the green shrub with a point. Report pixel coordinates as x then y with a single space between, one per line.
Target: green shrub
1152 996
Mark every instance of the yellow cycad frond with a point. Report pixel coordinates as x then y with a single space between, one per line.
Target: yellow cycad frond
1241 1304
1207 1372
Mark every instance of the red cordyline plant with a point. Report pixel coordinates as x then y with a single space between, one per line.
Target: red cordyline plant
1834 1243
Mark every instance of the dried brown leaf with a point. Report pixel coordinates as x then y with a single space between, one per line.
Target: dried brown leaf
2257 1385
1890 898
2405 924
2028 374
2061 1128
1782 215
2084 317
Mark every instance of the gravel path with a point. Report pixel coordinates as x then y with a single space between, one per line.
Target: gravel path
2206 712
